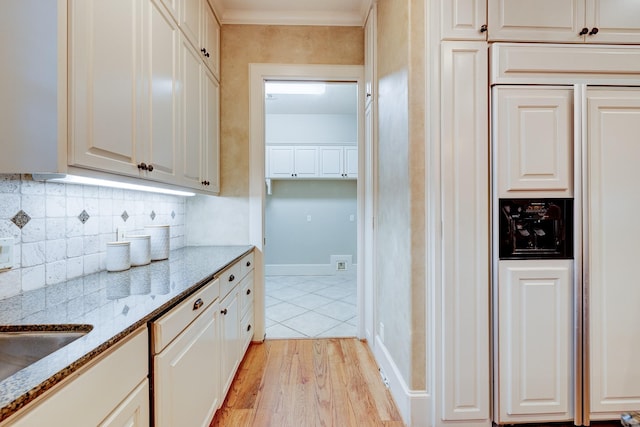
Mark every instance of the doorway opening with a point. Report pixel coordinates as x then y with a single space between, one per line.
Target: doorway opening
293 196
311 172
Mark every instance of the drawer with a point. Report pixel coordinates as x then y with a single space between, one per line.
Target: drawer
246 293
246 264
246 329
229 278
165 329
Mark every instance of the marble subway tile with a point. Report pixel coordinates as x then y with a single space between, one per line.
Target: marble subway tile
33 254
10 205
33 277
55 228
56 250
56 272
34 205
75 267
10 283
56 206
34 231
75 247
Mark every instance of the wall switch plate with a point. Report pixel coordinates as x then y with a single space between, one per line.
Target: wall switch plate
6 253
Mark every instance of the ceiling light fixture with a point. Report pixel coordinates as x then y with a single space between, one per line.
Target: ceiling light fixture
83 180
289 88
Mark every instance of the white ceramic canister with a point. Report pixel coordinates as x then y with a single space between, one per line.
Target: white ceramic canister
140 249
118 256
160 237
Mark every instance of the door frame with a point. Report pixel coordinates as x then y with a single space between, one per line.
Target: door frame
258 74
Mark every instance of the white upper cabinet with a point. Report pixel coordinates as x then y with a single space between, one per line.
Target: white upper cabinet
533 137
565 21
338 162
292 162
106 90
201 28
464 19
211 134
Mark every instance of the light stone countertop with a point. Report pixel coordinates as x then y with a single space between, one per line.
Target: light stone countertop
114 304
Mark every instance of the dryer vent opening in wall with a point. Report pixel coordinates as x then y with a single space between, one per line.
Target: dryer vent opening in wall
341 263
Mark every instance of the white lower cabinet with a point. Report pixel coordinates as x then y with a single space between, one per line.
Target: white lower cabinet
534 339
112 391
186 376
230 334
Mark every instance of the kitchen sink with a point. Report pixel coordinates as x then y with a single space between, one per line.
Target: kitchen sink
20 346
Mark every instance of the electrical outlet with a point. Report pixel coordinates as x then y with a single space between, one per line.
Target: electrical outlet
381 331
121 234
341 265
6 253
352 217
308 218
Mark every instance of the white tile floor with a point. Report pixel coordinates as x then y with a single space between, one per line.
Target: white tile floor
310 306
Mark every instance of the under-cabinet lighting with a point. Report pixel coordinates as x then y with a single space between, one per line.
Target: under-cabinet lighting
289 88
74 179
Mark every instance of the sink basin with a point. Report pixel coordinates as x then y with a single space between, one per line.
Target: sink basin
20 346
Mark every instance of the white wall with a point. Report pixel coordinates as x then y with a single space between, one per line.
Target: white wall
311 129
292 239
55 245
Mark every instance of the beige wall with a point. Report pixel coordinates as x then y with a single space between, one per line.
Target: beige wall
401 174
225 219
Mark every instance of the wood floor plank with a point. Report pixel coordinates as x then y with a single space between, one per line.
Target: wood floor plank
309 383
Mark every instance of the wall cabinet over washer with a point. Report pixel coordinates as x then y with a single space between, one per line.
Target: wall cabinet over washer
311 161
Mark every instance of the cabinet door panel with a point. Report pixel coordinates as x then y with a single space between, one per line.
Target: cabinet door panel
534 337
613 150
536 20
351 162
162 138
211 39
465 172
331 160
211 136
534 140
186 375
618 21
463 19
306 162
191 130
105 90
190 20
230 329
133 411
280 162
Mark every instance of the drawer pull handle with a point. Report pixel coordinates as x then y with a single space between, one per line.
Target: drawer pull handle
248 328
232 278
248 291
199 303
248 263
584 31
224 312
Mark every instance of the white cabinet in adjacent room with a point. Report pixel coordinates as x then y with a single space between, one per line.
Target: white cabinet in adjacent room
565 21
535 370
338 162
533 139
292 161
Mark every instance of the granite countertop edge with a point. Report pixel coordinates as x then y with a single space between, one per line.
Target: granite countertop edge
20 389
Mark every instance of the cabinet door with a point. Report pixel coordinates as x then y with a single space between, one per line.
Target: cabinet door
190 20
105 90
305 162
464 19
331 162
465 172
536 20
351 162
230 330
173 6
280 162
211 39
612 207
534 141
534 340
133 411
191 129
162 134
211 137
186 375
617 21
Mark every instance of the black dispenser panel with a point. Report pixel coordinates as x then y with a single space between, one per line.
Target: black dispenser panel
536 228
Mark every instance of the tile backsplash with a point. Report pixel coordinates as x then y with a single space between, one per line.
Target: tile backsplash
60 231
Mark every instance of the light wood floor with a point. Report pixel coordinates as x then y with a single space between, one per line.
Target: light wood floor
308 382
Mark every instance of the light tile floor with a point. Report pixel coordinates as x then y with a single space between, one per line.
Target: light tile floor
311 306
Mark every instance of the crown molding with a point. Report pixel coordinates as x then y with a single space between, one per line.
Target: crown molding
263 17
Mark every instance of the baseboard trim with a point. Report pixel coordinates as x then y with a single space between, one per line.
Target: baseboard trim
305 270
413 405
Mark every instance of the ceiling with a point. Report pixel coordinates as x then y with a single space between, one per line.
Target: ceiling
292 12
338 98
